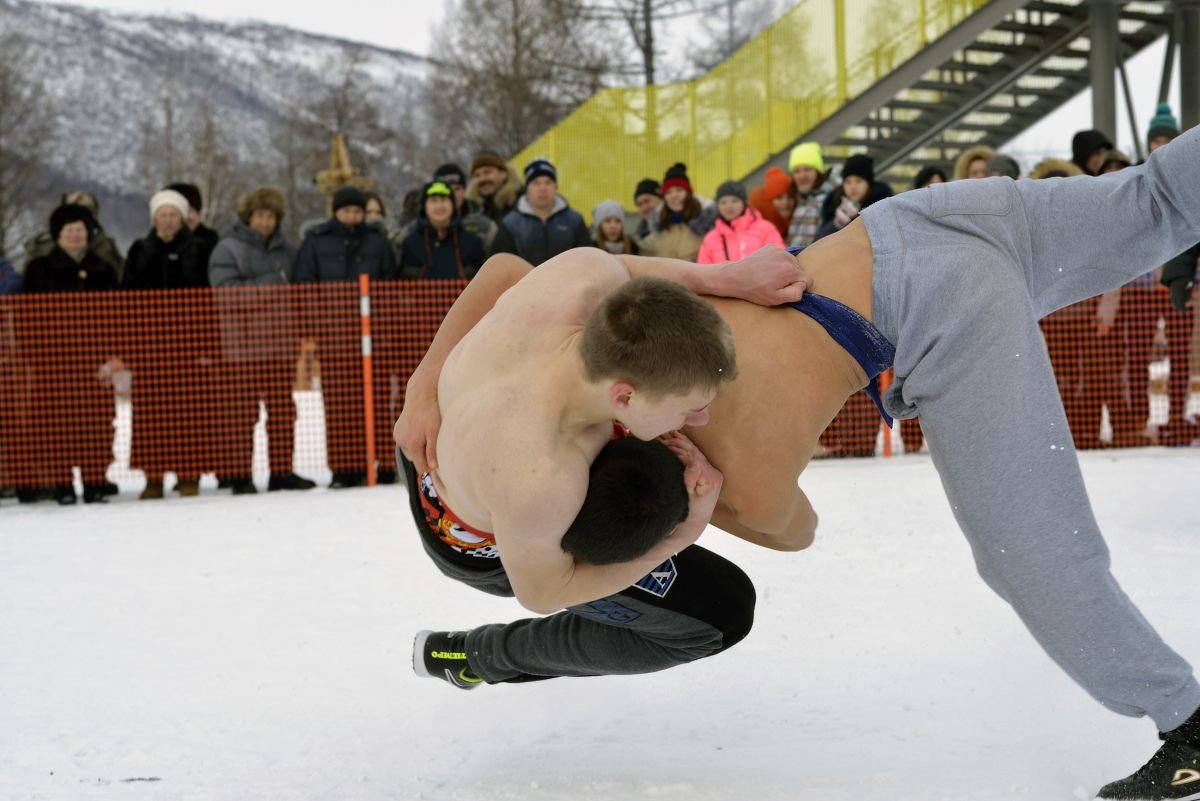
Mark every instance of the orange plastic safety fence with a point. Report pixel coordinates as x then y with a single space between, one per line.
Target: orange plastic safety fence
1126 366
132 386
119 384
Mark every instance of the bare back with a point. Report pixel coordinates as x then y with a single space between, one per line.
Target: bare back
500 406
793 378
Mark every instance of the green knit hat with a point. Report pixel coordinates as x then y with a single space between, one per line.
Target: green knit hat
1163 123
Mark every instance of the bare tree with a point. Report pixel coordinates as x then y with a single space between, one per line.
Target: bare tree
212 166
729 25
27 131
305 132
641 18
510 69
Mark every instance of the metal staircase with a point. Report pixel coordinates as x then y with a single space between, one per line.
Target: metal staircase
985 81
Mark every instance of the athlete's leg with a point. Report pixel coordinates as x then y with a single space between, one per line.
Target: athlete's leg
694 605
971 359
1078 237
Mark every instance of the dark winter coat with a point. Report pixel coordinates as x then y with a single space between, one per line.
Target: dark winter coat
424 255
58 272
879 191
242 258
154 264
10 279
502 202
99 243
336 252
206 241
522 232
253 306
1182 266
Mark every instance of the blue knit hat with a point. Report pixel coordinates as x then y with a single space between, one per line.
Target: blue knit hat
1163 123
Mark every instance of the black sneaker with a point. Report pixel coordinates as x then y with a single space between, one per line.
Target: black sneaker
1172 774
289 481
443 655
347 479
32 494
65 495
243 486
95 493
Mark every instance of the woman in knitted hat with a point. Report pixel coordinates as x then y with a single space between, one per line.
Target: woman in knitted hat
858 190
69 418
676 237
70 266
740 230
806 165
440 247
775 200
173 363
608 228
1163 128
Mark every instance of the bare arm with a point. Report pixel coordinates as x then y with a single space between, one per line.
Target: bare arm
793 533
545 578
769 277
416 430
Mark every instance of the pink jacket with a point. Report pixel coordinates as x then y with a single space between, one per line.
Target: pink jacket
737 240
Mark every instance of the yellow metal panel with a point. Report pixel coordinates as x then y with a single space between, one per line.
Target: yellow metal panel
727 122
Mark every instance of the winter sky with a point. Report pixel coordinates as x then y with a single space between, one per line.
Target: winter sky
409 25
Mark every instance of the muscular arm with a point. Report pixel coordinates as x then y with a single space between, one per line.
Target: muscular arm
793 528
497 276
768 277
416 430
531 512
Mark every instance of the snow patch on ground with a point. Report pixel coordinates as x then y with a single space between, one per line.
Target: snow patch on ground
258 647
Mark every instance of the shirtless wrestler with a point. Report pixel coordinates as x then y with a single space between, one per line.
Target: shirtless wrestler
948 283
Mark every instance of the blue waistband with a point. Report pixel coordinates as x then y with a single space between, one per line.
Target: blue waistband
857 337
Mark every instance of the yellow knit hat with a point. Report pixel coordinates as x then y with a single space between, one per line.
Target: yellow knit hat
806 154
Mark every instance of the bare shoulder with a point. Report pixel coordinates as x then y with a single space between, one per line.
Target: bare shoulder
568 287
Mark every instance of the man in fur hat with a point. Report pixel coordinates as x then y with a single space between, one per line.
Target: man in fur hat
494 184
258 340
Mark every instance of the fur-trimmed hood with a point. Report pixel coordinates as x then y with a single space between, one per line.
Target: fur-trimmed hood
1048 168
505 197
963 162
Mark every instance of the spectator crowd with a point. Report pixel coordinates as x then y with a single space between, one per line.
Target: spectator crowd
1101 348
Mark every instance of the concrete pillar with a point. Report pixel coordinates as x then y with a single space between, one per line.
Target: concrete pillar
1189 63
1105 39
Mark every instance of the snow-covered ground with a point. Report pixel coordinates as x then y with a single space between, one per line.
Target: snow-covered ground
258 648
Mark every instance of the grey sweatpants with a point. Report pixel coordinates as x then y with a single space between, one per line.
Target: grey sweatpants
962 273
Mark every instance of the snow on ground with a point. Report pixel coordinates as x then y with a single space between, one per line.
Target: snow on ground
259 647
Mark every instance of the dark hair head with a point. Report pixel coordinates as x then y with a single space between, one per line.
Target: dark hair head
69 213
189 191
927 174
635 498
659 337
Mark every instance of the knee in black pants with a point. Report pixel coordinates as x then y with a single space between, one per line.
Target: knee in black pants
714 590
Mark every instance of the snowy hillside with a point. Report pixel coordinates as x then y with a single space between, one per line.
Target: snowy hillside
108 71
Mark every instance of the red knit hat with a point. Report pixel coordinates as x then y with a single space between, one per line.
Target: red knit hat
777 183
676 176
